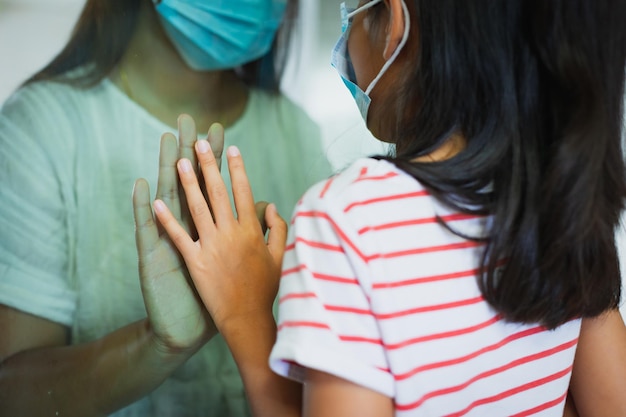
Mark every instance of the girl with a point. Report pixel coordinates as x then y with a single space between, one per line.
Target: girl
472 273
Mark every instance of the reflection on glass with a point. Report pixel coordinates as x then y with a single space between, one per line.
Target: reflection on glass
93 335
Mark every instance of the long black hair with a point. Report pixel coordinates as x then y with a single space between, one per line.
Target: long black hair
536 89
103 32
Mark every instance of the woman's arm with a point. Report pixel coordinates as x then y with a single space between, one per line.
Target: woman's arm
598 380
41 376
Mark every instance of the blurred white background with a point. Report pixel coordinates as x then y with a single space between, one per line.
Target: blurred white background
33 31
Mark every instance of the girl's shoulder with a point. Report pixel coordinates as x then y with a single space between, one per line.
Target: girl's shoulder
366 184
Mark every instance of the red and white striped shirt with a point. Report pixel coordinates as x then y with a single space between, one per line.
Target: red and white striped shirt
375 291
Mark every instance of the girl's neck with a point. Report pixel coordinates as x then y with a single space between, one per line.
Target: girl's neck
451 147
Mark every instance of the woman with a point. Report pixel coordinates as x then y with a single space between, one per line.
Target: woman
474 272
72 140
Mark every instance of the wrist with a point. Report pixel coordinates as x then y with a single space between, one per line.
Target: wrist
170 352
251 341
250 336
262 324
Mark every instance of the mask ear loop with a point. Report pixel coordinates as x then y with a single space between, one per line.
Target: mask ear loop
405 37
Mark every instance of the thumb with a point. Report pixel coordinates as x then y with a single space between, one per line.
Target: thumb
260 207
146 233
277 238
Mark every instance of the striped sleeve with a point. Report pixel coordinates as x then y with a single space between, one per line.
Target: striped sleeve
325 318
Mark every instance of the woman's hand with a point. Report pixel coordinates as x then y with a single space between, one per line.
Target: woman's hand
235 271
177 317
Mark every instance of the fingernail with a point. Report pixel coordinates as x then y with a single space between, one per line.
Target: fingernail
184 165
233 151
203 146
159 206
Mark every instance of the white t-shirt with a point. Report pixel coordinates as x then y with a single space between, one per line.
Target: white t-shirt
68 161
375 291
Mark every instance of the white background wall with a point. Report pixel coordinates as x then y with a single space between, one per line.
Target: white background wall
33 31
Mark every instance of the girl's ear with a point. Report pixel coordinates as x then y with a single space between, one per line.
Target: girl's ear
395 30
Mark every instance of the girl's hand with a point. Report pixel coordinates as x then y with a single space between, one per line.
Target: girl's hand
177 317
235 271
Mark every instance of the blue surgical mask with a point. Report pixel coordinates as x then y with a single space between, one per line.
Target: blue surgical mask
221 34
340 58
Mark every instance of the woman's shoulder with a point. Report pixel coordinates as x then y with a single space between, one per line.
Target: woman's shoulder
55 115
35 111
60 99
34 95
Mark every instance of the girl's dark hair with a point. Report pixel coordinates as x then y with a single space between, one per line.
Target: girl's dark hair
536 88
103 33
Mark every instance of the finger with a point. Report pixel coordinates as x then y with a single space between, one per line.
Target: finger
260 207
277 238
215 137
146 233
242 193
183 242
216 140
215 187
198 206
167 184
187 137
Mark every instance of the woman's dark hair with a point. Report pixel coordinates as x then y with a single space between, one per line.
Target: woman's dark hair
536 88
105 28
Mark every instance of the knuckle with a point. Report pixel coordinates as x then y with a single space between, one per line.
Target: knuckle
145 223
168 194
243 186
217 192
178 239
207 160
198 209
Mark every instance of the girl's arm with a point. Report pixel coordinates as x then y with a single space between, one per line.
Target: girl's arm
570 408
236 273
599 377
328 395
269 394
